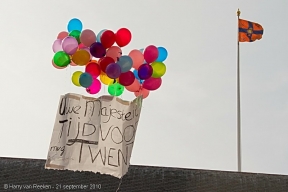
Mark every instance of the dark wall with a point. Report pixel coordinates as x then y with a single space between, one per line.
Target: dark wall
26 172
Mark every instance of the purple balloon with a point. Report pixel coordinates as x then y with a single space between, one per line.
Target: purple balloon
57 45
113 70
145 71
70 45
97 50
152 84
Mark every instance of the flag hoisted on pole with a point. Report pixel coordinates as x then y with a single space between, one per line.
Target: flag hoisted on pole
247 32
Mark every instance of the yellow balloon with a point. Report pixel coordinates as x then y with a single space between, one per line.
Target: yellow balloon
159 69
106 80
81 57
75 78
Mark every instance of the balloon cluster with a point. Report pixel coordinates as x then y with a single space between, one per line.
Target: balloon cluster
140 71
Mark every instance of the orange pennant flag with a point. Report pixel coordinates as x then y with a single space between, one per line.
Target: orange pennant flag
249 31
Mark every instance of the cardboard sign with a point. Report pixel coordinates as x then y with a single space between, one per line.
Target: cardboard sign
94 134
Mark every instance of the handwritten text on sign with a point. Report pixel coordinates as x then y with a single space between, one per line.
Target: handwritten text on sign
94 134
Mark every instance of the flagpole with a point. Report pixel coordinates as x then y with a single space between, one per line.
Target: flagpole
238 101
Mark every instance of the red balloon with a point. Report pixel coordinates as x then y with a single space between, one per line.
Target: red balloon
62 35
108 38
93 69
104 62
123 37
152 84
143 92
134 87
127 78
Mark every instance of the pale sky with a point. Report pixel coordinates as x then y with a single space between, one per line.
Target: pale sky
190 121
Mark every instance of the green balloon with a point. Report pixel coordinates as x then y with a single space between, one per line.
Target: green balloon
115 89
159 69
76 34
61 59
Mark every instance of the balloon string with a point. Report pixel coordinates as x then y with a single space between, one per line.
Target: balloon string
67 84
71 86
114 81
141 92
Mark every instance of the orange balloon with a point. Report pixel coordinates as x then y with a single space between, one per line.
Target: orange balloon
62 35
137 58
94 61
134 87
57 67
81 57
72 63
143 92
114 52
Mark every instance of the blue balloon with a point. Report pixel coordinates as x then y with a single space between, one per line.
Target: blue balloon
163 53
141 81
125 63
136 74
85 80
137 77
74 24
98 37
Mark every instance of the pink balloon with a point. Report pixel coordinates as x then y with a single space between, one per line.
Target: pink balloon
88 50
62 35
81 45
137 58
57 45
87 37
143 92
57 67
73 64
95 87
114 52
151 53
135 86
70 45
152 83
